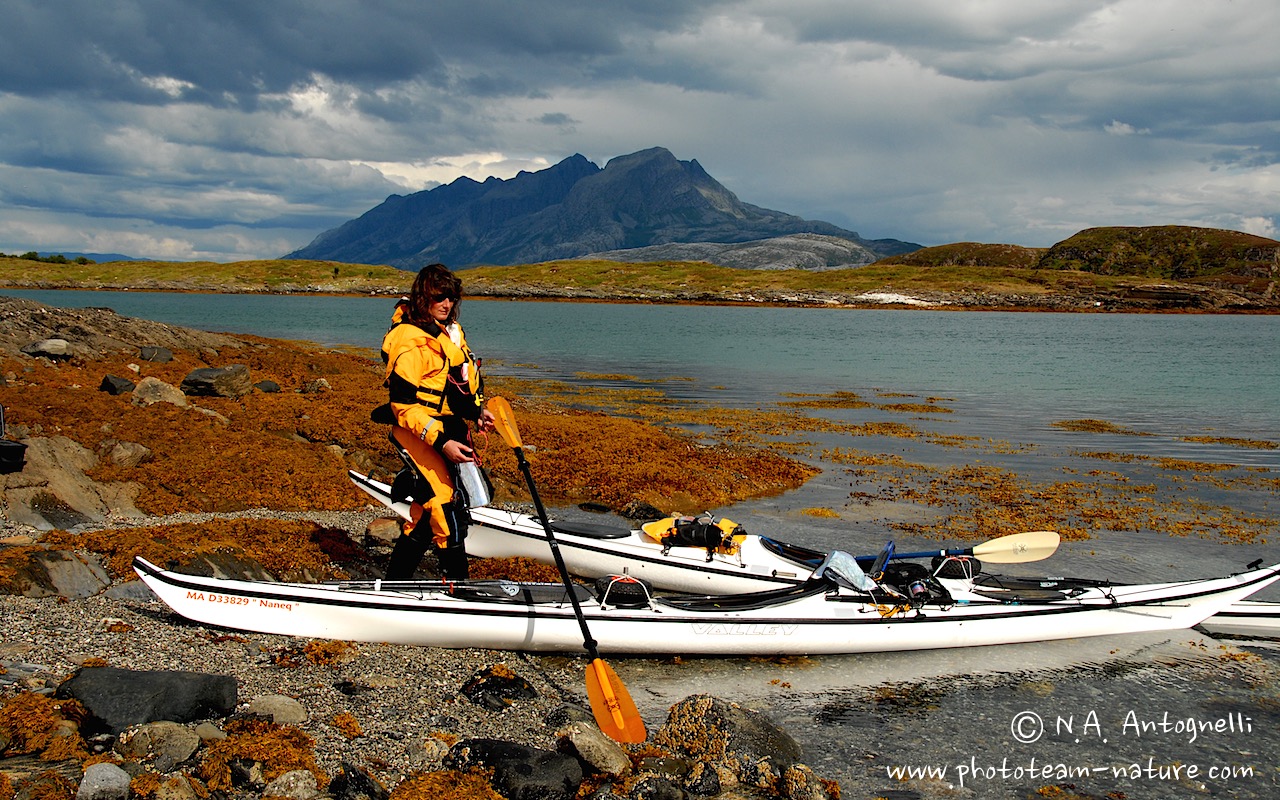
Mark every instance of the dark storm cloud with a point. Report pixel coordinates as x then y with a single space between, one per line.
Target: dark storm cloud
183 128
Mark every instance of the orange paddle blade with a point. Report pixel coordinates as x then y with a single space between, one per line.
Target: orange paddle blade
505 420
614 710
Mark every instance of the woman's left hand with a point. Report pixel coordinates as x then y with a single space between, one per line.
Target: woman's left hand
457 452
487 420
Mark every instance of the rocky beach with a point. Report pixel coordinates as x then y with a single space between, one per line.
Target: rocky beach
168 467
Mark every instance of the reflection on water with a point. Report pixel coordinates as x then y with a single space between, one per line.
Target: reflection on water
1106 703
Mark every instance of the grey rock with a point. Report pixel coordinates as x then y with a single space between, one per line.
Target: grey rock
103 781
568 713
56 349
229 381
653 787
165 743
282 710
52 491
177 787
128 454
703 780
604 754
209 412
150 391
159 355
227 566
208 732
59 573
118 698
268 387
382 531
316 386
299 784
129 590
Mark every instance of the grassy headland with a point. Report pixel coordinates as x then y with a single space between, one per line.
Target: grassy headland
1169 268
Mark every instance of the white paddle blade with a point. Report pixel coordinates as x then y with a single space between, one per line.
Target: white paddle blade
1019 548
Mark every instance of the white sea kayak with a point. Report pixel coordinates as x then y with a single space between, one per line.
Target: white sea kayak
840 610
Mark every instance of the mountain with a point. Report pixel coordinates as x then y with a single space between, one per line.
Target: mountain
572 209
811 251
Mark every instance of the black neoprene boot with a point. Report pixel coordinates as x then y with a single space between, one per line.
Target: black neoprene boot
405 557
453 563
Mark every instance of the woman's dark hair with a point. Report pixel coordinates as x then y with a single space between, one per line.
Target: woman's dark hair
433 281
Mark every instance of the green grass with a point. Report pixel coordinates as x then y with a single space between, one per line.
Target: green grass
692 278
251 276
1097 259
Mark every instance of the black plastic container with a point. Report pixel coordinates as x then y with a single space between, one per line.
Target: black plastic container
13 455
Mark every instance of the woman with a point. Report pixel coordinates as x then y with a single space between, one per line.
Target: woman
435 388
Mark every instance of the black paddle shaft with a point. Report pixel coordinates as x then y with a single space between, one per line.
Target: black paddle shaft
587 641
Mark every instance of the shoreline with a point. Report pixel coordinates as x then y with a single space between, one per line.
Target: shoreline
1145 298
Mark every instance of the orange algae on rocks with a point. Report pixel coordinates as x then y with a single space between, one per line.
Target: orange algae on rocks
48 785
348 725
280 749
282 547
40 725
516 568
475 784
145 785
590 456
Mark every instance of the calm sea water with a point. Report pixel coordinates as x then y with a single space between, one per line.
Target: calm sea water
1214 373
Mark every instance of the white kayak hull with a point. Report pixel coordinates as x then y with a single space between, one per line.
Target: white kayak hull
1255 618
812 620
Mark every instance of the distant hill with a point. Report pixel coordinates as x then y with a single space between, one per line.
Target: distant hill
572 209
1174 252
969 254
100 258
1165 252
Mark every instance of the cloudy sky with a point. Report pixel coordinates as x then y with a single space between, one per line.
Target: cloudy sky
235 129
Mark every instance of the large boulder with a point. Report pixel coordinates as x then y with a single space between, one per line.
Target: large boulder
150 391
52 490
519 772
229 381
746 742
56 573
118 698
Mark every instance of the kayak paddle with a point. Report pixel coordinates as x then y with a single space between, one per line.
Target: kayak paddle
611 704
1016 548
